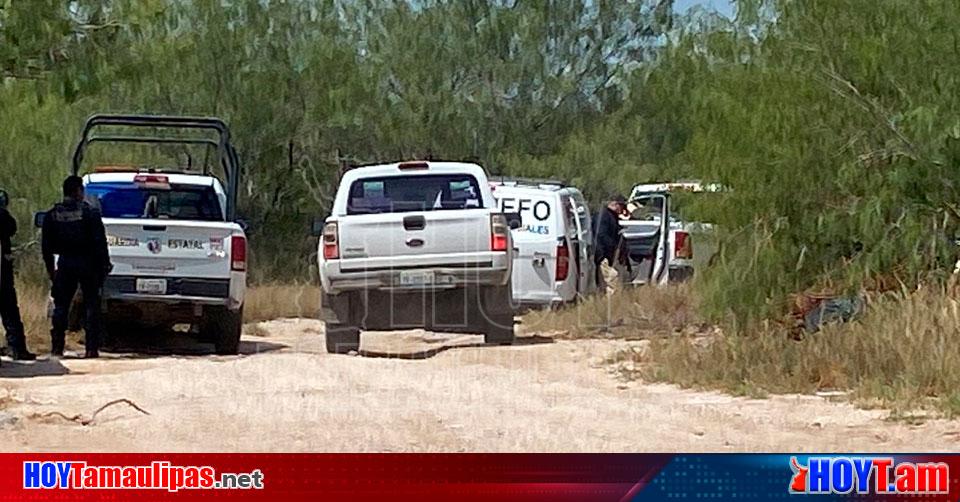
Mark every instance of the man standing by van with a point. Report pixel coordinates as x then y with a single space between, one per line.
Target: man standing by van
607 227
9 309
74 230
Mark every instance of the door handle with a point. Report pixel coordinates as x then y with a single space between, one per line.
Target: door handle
414 222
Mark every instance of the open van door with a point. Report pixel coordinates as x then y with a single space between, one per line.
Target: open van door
647 238
583 252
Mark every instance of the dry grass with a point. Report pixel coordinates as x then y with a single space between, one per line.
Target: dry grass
903 354
33 309
278 301
633 313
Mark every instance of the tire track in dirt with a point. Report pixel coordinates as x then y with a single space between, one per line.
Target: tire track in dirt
422 392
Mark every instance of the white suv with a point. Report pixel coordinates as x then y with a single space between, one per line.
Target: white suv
416 245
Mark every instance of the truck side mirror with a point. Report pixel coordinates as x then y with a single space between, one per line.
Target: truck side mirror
38 218
317 228
514 221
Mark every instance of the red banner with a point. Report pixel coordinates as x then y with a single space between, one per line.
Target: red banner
291 478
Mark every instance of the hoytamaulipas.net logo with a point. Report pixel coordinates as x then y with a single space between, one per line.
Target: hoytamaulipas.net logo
156 476
868 475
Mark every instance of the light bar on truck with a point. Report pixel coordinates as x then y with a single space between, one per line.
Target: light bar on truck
114 169
152 181
412 165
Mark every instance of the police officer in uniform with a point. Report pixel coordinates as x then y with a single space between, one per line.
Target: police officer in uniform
9 309
74 230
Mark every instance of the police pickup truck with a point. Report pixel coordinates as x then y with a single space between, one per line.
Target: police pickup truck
179 256
416 245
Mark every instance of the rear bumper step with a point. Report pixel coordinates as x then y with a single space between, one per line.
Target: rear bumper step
178 289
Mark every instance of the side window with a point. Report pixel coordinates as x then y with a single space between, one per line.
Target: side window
583 215
569 215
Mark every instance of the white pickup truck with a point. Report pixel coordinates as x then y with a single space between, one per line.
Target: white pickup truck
660 246
179 256
416 245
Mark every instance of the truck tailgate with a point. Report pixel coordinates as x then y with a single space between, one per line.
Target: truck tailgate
159 247
423 238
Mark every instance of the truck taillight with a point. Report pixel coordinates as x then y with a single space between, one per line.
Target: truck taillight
499 232
238 253
331 244
682 246
563 260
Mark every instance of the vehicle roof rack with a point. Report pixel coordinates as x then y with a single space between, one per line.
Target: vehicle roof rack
528 182
229 160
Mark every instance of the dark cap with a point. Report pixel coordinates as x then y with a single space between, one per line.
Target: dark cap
618 198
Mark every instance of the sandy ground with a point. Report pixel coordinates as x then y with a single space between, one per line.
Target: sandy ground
415 392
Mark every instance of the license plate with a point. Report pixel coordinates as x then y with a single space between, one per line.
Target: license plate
152 286
417 278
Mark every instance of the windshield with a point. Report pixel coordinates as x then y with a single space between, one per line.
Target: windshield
399 194
172 202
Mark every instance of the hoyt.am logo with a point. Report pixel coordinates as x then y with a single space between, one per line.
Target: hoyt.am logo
868 475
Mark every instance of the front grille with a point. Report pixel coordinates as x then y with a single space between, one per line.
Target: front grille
213 288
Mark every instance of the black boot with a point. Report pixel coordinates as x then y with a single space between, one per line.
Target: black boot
57 346
92 354
22 354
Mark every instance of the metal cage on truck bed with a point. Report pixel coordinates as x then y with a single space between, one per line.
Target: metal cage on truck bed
226 153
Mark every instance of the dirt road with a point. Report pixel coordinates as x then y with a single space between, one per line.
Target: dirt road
433 393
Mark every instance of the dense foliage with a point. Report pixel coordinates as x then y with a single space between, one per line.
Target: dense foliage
834 123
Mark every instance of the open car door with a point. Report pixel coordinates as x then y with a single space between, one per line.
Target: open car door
583 247
647 235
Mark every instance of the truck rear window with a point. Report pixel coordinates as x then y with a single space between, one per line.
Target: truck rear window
173 202
425 192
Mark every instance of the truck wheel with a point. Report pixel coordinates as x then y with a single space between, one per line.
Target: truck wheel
499 331
224 326
340 317
498 315
342 339
113 333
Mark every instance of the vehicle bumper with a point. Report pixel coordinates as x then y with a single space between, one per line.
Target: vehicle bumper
680 273
193 291
495 272
533 299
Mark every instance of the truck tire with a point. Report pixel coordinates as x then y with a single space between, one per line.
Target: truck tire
341 323
224 327
113 332
342 339
498 315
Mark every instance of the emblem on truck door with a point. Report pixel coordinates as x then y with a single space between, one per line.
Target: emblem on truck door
154 246
415 243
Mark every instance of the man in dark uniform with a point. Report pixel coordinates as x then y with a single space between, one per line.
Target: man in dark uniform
9 309
74 230
607 228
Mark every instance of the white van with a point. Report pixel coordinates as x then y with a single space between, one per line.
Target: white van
553 261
